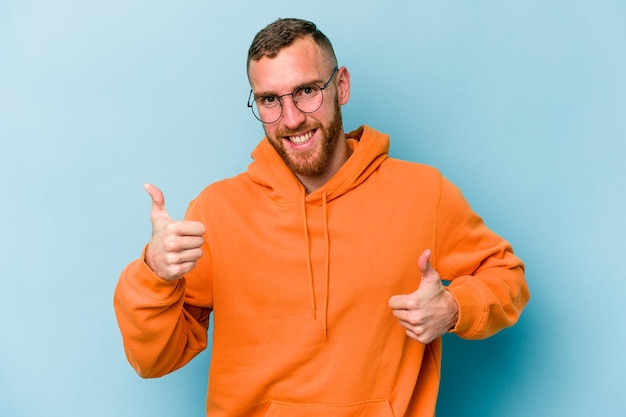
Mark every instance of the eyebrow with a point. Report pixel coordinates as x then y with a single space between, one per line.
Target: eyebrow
273 94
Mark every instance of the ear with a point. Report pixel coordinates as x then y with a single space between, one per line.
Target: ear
343 86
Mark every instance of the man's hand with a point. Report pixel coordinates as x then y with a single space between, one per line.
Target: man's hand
429 312
175 245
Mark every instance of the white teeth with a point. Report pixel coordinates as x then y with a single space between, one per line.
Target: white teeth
299 140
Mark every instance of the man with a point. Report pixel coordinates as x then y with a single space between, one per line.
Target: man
322 264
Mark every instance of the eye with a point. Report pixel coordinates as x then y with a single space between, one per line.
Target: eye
307 92
267 101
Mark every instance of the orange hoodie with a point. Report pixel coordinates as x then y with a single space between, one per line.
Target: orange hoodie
299 285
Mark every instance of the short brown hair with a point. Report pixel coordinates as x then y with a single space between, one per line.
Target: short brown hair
284 32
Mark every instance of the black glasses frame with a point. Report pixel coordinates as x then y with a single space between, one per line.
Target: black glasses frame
251 100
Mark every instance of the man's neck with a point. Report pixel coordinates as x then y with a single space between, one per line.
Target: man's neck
312 183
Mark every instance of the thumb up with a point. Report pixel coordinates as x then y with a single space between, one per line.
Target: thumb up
158 203
175 246
430 311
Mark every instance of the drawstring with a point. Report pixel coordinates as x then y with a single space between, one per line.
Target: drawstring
327 261
327 266
308 254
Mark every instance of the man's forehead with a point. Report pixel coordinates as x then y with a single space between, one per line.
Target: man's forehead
301 62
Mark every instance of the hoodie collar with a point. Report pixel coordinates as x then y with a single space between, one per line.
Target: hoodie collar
370 148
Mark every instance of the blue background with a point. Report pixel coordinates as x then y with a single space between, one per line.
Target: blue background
520 103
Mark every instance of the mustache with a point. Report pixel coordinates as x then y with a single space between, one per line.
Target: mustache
293 132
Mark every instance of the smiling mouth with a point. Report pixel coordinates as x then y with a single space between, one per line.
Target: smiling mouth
300 139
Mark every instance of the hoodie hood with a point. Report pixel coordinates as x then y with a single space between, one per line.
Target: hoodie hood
370 148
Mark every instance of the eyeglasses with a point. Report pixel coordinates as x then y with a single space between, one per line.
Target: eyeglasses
307 99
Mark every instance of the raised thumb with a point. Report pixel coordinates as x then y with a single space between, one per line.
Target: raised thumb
429 274
158 202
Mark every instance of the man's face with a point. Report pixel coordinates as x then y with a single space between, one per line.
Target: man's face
307 142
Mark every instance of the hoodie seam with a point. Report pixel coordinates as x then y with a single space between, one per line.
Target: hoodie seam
435 238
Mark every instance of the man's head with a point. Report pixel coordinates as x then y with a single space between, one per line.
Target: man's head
286 58
283 33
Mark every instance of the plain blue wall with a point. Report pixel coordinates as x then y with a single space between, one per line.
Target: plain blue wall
521 103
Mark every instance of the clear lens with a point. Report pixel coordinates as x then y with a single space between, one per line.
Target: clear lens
308 99
266 114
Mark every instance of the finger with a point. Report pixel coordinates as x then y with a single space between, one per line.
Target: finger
410 318
191 256
189 228
191 242
182 257
401 302
188 266
424 291
158 202
177 271
424 261
395 302
174 245
429 275
417 333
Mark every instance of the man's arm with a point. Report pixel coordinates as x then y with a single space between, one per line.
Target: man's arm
487 290
486 278
160 331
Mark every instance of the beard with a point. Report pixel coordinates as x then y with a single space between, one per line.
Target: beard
312 162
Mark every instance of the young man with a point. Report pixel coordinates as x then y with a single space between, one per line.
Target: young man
323 264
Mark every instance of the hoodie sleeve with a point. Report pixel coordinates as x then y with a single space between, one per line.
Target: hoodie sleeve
160 330
486 278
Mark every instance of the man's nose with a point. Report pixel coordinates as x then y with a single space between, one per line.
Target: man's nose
292 116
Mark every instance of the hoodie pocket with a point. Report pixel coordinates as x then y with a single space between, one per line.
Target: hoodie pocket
374 408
